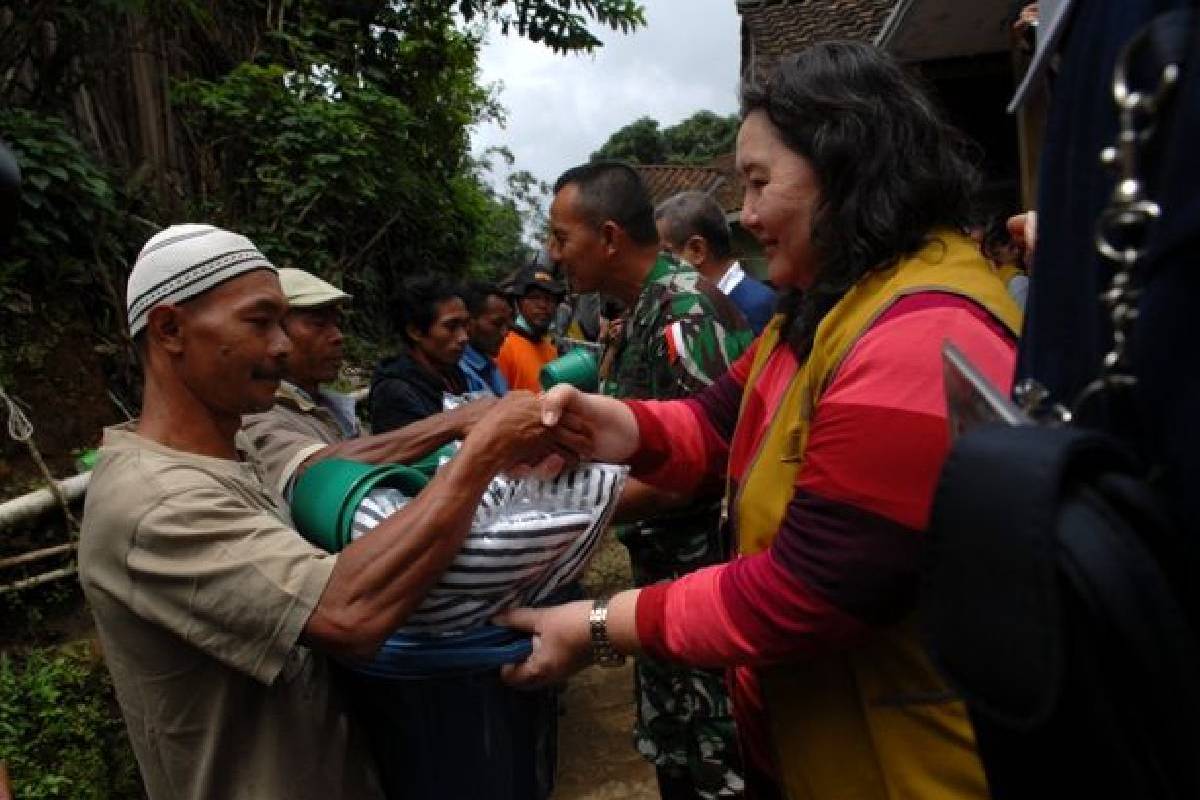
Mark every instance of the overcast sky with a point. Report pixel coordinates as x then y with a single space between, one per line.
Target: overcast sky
562 108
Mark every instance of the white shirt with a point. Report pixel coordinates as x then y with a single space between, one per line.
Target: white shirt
732 277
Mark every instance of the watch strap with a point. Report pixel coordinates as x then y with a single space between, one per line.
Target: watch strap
603 652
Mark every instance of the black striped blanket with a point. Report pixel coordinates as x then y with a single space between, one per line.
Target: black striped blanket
529 539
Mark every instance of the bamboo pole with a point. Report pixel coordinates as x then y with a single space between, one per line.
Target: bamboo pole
32 505
36 503
37 555
38 580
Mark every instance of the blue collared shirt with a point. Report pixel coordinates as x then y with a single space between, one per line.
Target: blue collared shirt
482 373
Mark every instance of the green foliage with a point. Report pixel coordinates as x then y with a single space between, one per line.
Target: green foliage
295 164
68 236
695 140
700 137
639 142
58 733
561 24
513 223
529 196
497 242
334 134
330 174
66 198
319 157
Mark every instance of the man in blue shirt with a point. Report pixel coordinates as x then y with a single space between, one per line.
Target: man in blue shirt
692 227
491 317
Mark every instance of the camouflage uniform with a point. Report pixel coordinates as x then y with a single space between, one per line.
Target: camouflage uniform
680 336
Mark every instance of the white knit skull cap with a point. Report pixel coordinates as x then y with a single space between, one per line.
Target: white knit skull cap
184 261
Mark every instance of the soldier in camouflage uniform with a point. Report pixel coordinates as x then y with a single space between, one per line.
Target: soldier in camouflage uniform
679 335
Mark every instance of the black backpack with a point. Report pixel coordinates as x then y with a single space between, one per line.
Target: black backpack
1053 603
1061 582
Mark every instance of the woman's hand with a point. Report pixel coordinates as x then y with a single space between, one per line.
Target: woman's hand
613 428
1023 230
562 643
562 638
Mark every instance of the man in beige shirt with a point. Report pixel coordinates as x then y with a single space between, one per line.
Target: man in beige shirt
215 616
306 416
308 422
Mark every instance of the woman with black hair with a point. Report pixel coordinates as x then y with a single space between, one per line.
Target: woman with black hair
828 436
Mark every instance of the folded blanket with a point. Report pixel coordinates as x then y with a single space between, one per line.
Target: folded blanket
529 539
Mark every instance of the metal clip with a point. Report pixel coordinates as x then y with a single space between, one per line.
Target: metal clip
1123 228
1034 399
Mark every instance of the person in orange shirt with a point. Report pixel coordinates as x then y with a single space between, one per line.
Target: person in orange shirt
528 346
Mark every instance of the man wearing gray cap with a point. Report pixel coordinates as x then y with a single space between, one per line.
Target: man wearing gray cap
310 422
215 616
305 417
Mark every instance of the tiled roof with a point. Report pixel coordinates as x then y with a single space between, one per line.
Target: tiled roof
718 179
773 29
729 194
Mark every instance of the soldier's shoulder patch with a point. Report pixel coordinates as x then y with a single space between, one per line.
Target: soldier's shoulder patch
673 333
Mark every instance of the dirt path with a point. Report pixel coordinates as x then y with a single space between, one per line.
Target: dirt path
596 758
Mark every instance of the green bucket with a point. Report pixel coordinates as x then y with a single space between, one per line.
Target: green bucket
578 368
325 497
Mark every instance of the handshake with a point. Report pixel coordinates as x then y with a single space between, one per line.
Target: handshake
542 435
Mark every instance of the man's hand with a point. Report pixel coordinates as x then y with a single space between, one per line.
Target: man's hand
515 428
562 643
468 415
409 443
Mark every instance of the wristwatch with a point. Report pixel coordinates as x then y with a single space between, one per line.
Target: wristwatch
603 652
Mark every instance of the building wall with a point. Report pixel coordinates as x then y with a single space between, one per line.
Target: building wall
973 93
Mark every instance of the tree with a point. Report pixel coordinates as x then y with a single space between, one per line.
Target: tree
695 140
335 133
700 137
559 25
514 223
640 142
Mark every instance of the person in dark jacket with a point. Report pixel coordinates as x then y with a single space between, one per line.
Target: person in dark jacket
434 325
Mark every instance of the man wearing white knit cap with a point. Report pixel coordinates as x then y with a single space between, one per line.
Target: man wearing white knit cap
184 261
214 614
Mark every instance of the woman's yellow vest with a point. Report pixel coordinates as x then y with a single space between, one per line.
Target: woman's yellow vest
876 721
